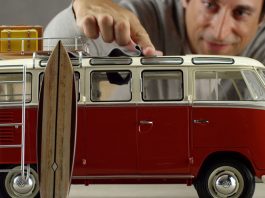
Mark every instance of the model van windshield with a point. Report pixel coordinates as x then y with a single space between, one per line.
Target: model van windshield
262 74
229 85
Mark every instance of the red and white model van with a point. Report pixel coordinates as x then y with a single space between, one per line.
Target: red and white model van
183 119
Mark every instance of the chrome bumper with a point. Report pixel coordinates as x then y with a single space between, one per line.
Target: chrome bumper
263 178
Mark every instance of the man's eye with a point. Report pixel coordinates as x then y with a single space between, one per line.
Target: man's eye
241 13
211 6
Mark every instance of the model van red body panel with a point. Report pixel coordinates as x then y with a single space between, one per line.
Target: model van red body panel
163 146
229 129
108 140
118 143
12 135
140 139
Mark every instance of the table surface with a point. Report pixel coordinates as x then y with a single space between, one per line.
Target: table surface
143 191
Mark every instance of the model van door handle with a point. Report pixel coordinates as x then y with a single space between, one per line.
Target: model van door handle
200 121
145 126
144 122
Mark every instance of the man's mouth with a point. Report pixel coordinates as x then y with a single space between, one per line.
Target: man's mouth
213 46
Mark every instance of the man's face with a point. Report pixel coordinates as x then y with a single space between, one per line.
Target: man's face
221 27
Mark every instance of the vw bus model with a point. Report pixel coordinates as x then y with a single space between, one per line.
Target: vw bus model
173 119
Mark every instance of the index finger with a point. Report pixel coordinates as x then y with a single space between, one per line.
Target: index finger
140 36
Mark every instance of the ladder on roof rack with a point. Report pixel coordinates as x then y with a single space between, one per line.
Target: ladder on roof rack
9 100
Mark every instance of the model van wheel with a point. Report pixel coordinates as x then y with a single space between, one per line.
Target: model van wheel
13 185
226 179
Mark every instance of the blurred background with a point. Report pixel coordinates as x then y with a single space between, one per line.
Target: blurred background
30 12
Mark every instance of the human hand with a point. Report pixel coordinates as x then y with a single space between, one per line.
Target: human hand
113 23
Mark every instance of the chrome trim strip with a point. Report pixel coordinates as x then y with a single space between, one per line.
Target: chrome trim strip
135 177
11 146
111 104
11 124
247 105
8 81
11 103
166 103
28 105
133 104
7 170
8 66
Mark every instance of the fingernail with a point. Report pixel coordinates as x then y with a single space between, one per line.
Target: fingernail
149 51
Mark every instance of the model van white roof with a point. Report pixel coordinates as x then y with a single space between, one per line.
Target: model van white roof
156 61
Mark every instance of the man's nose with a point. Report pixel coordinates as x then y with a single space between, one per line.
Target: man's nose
222 25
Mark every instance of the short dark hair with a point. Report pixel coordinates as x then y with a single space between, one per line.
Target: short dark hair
262 11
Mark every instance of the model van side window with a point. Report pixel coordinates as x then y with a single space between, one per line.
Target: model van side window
221 86
11 87
162 85
110 86
77 83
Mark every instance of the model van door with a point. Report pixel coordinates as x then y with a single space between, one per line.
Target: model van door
110 124
223 112
163 123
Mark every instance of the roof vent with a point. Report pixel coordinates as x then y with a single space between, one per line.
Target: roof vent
162 61
110 61
74 61
212 60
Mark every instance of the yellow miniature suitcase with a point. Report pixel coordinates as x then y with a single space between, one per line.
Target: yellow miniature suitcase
19 45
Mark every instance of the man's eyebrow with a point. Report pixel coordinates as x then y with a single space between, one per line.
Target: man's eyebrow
245 7
212 1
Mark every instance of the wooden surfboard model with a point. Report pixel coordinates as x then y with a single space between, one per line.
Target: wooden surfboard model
56 126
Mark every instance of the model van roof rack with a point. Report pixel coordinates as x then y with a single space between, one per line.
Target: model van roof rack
162 60
75 57
75 62
41 48
212 60
26 45
50 43
111 61
75 51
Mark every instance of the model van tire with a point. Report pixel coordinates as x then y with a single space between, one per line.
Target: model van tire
12 184
225 179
